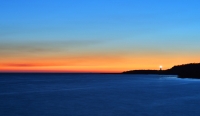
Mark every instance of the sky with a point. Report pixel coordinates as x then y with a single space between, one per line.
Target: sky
97 35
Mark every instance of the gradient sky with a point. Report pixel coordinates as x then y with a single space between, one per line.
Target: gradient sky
97 35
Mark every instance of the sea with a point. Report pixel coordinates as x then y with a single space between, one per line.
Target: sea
98 95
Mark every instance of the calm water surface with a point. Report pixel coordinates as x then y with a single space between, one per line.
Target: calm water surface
98 95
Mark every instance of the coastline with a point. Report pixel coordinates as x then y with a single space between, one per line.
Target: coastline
191 70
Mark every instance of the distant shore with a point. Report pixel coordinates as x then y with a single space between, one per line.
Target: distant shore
191 70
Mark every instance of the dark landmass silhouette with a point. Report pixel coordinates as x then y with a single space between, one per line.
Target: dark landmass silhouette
191 70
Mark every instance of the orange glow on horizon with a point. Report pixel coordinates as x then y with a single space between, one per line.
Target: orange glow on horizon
93 64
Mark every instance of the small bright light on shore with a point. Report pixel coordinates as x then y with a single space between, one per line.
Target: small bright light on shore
160 67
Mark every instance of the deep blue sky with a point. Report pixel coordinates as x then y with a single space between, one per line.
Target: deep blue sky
134 29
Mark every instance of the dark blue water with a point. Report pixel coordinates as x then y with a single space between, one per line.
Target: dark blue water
98 95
